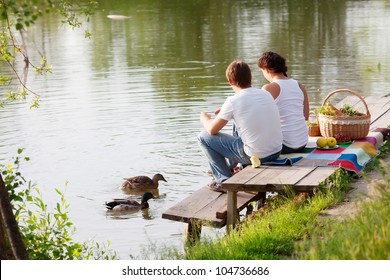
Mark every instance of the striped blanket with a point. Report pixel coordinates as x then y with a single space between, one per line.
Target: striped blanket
352 156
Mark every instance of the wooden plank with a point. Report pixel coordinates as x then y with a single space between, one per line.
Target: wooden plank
243 199
204 206
209 212
271 178
280 175
349 99
379 108
264 176
184 210
377 112
313 179
381 122
373 101
244 175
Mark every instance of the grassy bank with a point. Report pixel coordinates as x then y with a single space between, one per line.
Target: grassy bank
367 236
289 227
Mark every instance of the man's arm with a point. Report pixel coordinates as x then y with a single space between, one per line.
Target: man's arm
212 126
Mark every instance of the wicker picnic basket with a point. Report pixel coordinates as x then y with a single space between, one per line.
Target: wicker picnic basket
313 127
354 127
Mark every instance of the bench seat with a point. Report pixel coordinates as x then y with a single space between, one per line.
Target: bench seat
272 179
207 207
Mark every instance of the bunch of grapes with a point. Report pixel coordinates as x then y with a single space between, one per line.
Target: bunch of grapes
341 138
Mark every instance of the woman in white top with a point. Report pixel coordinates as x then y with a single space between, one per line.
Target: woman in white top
291 99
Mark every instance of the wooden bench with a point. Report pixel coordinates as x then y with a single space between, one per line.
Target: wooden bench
205 207
209 208
272 179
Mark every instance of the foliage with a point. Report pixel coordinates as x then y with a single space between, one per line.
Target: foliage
47 235
325 110
312 120
329 110
348 110
373 70
21 14
311 124
17 16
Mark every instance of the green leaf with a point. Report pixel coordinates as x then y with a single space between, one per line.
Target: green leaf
19 26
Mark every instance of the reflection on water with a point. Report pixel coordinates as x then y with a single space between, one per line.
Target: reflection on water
127 102
129 214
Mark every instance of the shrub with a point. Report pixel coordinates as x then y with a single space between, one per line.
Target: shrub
47 234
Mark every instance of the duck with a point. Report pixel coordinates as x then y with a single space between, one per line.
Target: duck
142 182
123 204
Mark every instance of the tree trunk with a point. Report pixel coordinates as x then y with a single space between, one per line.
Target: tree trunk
5 250
11 227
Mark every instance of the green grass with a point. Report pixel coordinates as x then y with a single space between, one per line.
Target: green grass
367 236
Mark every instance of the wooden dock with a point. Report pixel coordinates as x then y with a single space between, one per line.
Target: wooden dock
206 207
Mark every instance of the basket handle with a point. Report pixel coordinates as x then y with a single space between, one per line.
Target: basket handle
349 91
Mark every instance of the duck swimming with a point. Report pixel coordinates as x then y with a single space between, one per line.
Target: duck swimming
142 182
127 204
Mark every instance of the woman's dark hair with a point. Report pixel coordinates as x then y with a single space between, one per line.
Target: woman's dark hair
274 62
239 73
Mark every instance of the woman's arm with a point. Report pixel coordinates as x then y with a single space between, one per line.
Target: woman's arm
272 88
306 106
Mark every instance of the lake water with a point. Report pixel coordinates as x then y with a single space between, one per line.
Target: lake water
127 102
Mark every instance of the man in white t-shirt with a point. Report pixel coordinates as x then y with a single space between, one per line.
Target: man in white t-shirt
256 119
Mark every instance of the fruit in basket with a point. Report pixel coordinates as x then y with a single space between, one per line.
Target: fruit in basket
331 142
322 142
341 138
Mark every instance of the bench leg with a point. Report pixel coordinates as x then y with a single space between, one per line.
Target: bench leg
192 232
263 196
249 210
232 215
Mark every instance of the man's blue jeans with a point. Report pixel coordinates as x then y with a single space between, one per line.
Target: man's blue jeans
224 152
